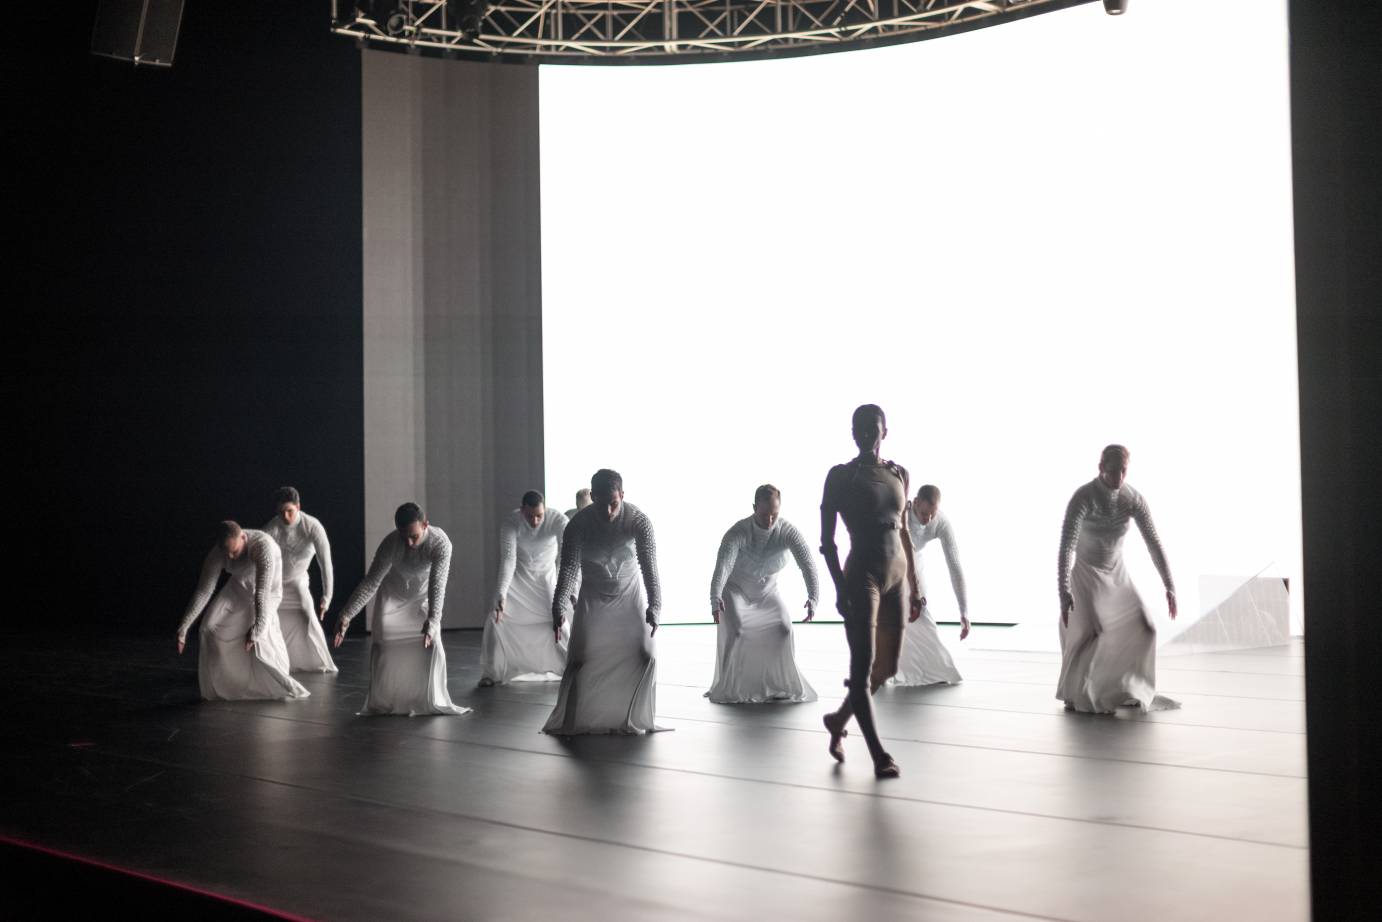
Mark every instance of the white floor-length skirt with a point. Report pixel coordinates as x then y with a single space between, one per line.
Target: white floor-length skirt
924 659
405 677
302 632
610 683
755 654
1108 651
521 645
225 670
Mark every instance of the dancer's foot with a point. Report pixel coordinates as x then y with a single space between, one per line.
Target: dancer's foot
886 768
486 682
836 728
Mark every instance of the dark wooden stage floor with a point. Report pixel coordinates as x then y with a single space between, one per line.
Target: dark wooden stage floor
1008 808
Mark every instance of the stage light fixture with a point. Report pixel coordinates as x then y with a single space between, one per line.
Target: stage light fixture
1115 7
470 16
395 21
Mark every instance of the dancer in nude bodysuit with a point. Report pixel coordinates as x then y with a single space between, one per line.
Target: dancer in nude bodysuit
877 587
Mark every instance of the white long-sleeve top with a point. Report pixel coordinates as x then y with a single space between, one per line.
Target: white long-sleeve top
939 528
597 548
405 569
261 561
750 552
1096 520
300 542
536 550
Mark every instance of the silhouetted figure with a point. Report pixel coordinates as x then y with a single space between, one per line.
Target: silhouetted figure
241 651
518 639
300 538
1108 637
755 657
407 581
610 682
925 661
877 588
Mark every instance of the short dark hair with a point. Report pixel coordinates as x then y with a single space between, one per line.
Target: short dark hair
228 530
532 499
407 514
765 493
1113 451
930 493
287 495
866 413
605 482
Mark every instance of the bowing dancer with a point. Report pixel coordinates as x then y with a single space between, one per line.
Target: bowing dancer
242 653
610 682
755 657
518 639
924 660
300 538
1108 637
877 586
407 580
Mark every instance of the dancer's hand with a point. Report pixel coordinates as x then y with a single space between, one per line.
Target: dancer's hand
498 610
1171 603
340 634
557 622
651 618
1067 603
182 645
917 604
810 611
964 626
249 642
321 610
841 601
426 637
715 611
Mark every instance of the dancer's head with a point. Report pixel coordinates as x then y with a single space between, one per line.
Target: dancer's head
1113 466
287 504
534 508
582 498
607 491
927 503
231 538
411 523
767 502
870 427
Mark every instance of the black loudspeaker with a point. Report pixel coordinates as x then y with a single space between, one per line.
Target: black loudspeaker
141 31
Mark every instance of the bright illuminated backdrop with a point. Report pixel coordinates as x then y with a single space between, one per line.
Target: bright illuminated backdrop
1023 242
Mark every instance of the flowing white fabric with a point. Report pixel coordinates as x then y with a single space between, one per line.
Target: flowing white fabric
245 608
1108 650
610 682
300 542
924 659
755 655
521 643
408 586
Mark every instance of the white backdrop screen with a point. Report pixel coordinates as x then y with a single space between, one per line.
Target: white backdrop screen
1023 242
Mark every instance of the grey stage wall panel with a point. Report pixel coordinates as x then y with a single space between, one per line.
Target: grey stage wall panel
452 303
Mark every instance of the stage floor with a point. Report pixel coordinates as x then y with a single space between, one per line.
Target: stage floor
1008 807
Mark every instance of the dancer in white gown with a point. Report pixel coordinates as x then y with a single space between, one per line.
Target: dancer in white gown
242 653
1108 637
924 660
300 538
407 581
755 658
518 639
610 683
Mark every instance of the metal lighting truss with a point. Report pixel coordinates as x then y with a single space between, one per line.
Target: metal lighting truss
649 31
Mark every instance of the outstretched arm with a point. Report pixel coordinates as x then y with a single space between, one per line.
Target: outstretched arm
436 589
801 552
950 547
206 585
378 569
567 575
262 553
1075 513
830 509
724 565
1143 517
323 547
508 561
645 546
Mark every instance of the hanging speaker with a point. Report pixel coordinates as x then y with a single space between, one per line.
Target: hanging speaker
140 31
